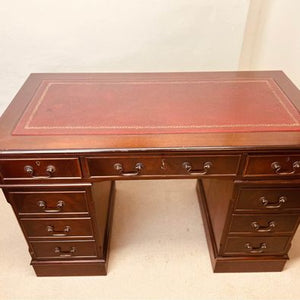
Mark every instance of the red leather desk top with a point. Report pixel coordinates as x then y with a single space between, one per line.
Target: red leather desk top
141 107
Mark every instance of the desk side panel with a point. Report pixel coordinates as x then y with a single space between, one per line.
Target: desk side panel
218 193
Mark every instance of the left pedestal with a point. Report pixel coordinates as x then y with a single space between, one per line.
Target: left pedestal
67 227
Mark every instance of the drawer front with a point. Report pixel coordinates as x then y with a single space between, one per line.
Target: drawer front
264 224
169 165
64 250
123 166
49 202
203 165
268 199
256 245
40 168
57 228
273 166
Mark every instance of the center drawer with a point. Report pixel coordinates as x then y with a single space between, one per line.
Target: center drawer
57 228
192 165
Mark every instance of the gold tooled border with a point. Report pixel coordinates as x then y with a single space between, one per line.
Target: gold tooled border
87 82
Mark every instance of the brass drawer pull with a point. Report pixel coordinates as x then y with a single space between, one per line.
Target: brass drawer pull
254 250
43 205
188 167
258 228
49 171
58 250
277 168
64 232
267 204
119 168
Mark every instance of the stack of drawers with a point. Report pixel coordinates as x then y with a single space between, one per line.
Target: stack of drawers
263 224
56 219
265 214
56 222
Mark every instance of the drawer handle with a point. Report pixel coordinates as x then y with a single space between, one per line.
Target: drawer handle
58 250
43 205
188 167
277 168
258 228
254 250
268 204
64 232
119 168
49 171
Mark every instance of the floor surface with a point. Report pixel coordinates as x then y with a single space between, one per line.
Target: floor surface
158 251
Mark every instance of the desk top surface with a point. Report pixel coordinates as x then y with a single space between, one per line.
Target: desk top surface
153 110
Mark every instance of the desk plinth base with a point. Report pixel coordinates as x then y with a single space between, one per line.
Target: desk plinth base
70 268
223 264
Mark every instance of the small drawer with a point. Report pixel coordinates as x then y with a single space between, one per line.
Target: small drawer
39 168
257 245
49 202
193 165
272 166
64 250
57 228
268 199
263 224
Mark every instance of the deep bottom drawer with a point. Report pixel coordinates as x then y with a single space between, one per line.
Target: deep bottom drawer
257 245
64 250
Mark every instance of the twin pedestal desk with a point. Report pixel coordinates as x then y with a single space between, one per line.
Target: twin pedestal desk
66 138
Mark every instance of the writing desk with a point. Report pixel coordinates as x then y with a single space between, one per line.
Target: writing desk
66 138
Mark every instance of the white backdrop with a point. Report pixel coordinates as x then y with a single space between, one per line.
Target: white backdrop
272 40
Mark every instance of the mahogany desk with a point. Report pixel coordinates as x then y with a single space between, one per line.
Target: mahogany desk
66 138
